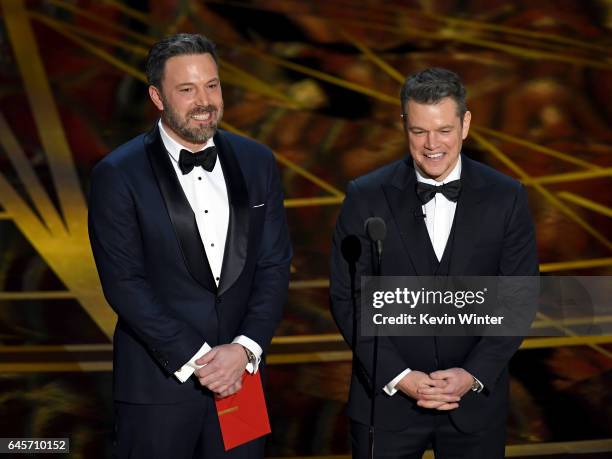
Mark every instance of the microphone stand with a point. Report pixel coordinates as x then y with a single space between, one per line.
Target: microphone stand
351 252
376 264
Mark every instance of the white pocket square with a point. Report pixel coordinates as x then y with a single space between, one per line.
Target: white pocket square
259 205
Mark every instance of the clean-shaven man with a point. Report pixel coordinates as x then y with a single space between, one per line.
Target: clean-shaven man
445 215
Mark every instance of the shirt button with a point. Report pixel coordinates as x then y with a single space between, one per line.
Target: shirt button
216 278
212 245
199 178
205 211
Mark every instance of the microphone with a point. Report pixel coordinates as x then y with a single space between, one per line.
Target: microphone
351 249
376 229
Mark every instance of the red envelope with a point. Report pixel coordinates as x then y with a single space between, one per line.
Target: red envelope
243 416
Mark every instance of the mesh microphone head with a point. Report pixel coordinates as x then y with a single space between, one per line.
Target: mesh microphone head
376 229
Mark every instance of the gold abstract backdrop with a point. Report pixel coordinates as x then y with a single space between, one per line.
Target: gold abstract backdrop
318 82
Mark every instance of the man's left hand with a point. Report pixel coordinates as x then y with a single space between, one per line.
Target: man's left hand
458 383
224 366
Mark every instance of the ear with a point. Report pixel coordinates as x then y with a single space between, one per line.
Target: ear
155 96
466 124
404 118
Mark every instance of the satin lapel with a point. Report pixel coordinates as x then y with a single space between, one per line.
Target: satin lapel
468 224
406 209
236 243
180 212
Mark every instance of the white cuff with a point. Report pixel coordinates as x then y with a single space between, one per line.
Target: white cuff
390 387
187 370
479 383
254 348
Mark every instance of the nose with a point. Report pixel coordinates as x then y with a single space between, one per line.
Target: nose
202 98
431 141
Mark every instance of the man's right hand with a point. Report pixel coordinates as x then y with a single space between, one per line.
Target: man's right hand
231 390
223 368
417 380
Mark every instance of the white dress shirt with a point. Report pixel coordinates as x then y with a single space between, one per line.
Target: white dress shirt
207 196
439 215
439 212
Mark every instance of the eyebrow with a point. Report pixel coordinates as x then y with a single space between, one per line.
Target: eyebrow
447 126
188 83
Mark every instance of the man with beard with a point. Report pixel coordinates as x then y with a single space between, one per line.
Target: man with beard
189 234
446 215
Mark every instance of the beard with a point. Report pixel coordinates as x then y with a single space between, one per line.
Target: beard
180 125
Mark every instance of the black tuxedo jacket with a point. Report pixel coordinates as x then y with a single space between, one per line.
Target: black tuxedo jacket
154 270
493 235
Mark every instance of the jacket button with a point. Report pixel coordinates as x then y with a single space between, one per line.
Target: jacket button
218 300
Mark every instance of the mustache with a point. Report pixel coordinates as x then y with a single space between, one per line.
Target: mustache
200 110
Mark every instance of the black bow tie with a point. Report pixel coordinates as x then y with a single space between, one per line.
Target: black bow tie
427 192
205 158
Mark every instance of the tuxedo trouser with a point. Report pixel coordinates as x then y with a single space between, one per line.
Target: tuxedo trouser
185 430
435 430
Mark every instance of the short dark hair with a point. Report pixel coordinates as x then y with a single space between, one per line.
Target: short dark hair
175 45
431 85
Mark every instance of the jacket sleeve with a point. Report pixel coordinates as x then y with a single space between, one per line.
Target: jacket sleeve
271 279
518 258
117 246
350 236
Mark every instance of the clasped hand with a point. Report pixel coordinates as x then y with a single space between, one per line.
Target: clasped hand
223 369
440 390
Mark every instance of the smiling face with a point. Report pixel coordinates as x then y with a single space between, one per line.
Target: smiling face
190 99
435 134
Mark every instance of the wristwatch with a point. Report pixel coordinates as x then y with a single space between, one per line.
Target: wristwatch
476 385
250 356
